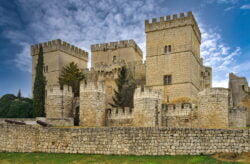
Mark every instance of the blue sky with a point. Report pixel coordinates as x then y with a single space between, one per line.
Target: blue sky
225 26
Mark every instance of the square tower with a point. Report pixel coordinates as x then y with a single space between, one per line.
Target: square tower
57 54
173 56
114 52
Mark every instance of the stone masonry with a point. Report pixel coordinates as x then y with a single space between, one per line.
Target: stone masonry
92 104
123 141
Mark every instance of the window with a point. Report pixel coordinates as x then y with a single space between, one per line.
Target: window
167 49
167 79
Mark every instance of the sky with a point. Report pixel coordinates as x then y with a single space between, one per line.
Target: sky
225 27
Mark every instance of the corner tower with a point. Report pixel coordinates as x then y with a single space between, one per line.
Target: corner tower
57 54
173 56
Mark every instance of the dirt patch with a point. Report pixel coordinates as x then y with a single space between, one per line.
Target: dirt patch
233 157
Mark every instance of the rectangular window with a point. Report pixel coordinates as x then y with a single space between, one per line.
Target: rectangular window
167 79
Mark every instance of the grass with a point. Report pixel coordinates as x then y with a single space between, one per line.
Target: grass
45 158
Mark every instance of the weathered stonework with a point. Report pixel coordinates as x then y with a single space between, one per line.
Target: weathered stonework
119 117
59 103
178 115
213 108
123 141
92 104
237 117
147 107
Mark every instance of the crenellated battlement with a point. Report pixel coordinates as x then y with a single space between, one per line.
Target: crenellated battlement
147 93
171 22
116 45
180 109
92 87
57 91
60 45
120 113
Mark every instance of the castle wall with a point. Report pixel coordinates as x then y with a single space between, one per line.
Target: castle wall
123 141
213 108
180 115
239 92
237 117
92 104
119 117
59 103
126 50
147 108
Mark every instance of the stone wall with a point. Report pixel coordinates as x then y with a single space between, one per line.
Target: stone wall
59 102
92 104
237 117
119 117
178 115
147 107
123 141
213 108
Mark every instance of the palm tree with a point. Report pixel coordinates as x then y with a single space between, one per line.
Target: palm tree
71 75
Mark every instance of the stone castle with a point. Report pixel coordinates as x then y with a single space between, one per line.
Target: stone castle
174 87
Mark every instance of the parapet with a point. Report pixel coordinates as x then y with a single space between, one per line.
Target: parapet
116 45
59 45
92 87
171 22
180 109
56 90
147 93
119 113
214 91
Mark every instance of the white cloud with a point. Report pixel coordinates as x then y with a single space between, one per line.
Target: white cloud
245 6
218 55
81 23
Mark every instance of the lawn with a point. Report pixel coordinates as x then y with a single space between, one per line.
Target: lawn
44 158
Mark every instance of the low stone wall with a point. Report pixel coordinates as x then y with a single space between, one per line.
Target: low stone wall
136 141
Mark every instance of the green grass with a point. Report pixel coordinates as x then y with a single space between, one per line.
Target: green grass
45 158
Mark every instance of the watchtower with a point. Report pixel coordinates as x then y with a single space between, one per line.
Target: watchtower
173 56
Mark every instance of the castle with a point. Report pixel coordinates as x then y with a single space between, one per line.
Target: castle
174 87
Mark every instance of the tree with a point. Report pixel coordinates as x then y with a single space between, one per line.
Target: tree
14 107
19 94
39 87
71 75
123 96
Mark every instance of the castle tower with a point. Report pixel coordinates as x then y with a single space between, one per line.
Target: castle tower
173 56
113 52
92 104
59 102
57 54
147 108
